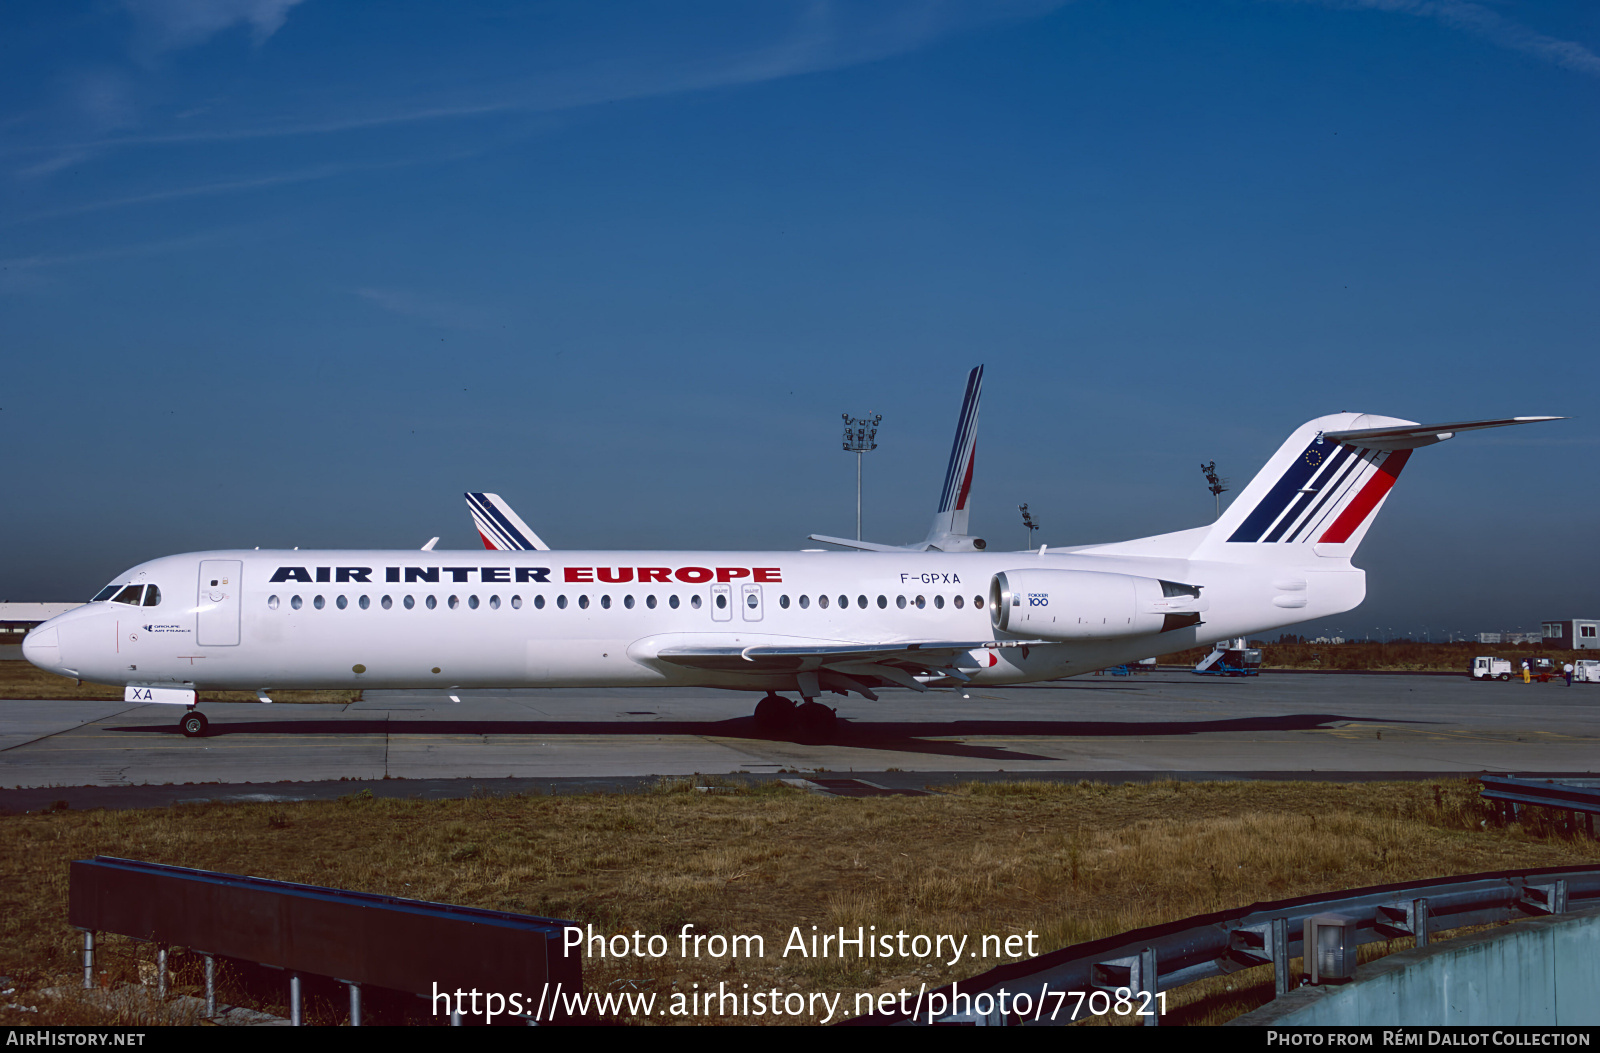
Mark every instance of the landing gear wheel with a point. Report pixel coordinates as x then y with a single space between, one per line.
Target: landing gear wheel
817 720
193 724
773 712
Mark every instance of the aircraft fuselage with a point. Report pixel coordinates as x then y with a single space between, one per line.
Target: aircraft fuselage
252 619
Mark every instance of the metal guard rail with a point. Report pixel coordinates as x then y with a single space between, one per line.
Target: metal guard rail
1565 795
1161 957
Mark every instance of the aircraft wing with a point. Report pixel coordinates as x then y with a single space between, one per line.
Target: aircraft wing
850 666
1412 436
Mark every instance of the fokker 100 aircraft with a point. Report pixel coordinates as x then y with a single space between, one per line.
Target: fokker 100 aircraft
807 623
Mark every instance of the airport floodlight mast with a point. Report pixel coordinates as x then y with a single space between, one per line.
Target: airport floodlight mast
860 435
1217 485
1029 522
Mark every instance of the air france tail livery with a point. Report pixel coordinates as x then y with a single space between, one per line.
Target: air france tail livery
500 528
808 623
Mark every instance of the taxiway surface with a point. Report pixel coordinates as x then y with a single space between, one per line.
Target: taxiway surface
1162 722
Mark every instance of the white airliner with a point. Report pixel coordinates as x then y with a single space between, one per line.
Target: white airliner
801 622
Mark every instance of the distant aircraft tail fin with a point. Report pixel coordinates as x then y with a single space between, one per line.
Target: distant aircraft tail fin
500 527
949 530
1321 491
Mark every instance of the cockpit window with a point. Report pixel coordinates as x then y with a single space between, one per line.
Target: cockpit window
131 594
106 593
152 596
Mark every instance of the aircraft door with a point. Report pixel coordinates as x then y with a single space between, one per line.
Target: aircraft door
217 603
722 603
751 602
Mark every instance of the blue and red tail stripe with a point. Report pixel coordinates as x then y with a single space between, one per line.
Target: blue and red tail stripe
1327 480
964 451
494 528
1376 489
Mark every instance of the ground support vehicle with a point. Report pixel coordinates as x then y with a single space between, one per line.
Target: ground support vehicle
1231 661
1485 668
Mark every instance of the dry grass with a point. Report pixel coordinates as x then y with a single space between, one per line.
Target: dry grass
26 680
1068 862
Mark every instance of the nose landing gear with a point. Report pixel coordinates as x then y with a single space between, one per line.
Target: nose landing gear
193 724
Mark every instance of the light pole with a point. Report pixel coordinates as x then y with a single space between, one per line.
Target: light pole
1028 521
860 435
1217 485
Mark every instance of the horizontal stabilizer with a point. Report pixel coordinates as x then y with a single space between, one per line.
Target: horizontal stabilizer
864 546
1414 435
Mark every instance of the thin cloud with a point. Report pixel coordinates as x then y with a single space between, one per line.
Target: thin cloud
443 314
170 25
824 37
21 273
1483 22
207 189
111 252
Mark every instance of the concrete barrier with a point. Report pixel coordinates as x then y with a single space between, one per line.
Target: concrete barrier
1540 972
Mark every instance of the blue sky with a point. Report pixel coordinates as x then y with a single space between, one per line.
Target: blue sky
292 272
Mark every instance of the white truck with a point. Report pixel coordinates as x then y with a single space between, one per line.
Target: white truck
1586 671
1484 668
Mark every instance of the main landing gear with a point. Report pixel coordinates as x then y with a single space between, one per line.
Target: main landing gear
776 714
193 724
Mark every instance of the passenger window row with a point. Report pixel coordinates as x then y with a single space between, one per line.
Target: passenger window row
695 601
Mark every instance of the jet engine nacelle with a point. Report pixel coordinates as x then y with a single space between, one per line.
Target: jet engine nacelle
1085 604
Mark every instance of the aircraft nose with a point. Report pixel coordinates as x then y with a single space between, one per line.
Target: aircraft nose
42 647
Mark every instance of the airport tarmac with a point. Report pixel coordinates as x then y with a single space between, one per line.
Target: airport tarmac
1345 725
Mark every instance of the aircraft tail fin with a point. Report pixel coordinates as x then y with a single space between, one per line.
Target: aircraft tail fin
949 530
1318 495
501 528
